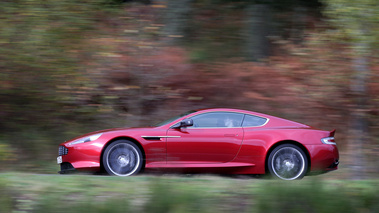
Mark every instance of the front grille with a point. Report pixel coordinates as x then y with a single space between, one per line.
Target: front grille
62 151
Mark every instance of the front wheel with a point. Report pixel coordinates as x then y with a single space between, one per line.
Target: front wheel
287 162
122 158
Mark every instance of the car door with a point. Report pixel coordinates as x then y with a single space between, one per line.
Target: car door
215 137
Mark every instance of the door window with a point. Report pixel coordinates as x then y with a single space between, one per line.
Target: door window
217 120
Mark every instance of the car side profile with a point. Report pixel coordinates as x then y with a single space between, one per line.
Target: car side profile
223 141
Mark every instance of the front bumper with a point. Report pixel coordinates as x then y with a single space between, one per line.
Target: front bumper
66 168
81 157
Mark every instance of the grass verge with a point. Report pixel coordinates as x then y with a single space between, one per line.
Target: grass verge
23 192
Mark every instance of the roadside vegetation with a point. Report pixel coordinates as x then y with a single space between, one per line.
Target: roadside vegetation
24 192
68 68
72 67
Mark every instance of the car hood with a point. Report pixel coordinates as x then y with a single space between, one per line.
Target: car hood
125 129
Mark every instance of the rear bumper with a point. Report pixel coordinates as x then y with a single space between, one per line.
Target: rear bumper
334 165
324 157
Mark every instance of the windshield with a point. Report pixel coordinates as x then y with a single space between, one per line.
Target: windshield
173 118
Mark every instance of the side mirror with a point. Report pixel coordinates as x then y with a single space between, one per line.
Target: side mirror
184 123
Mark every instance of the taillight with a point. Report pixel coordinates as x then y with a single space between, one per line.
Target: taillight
328 140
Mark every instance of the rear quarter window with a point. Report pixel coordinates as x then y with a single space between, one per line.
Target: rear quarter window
251 120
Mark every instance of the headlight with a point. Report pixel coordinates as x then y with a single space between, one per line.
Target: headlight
86 139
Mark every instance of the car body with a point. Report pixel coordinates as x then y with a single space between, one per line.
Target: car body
226 141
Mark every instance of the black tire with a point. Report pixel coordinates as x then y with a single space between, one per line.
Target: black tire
287 162
122 158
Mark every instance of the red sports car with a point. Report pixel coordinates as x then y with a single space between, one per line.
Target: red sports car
226 141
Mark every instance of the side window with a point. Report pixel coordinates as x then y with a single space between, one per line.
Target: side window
217 119
251 120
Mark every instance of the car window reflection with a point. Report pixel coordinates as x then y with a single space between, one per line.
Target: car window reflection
217 120
251 121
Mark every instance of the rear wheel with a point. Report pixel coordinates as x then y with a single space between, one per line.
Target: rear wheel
122 158
287 162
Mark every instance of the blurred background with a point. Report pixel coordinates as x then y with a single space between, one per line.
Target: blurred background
71 67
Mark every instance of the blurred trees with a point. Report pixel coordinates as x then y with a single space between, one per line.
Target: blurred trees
176 20
44 46
358 22
270 20
258 24
68 67
42 52
41 49
259 28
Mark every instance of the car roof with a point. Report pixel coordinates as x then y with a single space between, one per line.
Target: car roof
232 110
275 121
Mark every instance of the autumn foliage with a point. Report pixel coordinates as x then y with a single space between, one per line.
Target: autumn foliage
121 71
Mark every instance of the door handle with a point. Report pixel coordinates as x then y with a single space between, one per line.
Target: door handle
230 135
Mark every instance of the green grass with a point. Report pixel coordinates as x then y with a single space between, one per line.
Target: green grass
23 192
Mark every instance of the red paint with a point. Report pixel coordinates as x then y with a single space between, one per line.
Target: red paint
236 150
